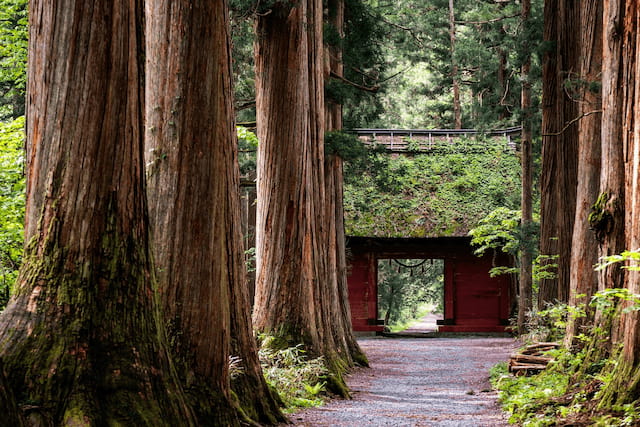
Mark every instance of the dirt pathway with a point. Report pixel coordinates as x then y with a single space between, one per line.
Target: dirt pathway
419 382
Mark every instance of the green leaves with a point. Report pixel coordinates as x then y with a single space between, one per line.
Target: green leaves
527 398
246 138
13 57
343 144
631 257
490 46
423 195
404 293
498 230
247 147
607 300
12 203
298 380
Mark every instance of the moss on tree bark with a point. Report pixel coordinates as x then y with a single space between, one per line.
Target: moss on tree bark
82 339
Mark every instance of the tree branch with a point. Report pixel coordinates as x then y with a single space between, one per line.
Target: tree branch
243 105
588 113
490 21
506 91
412 32
394 75
372 89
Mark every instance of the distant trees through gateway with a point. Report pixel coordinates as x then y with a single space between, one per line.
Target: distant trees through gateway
409 289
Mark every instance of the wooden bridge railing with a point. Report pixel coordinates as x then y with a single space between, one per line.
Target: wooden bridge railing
426 140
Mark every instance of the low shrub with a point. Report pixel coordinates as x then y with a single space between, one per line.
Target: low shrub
298 380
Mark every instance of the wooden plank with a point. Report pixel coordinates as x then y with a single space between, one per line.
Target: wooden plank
542 344
526 358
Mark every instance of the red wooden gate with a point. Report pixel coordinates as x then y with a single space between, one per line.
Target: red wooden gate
473 301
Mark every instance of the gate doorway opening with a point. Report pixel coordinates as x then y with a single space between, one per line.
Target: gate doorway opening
411 293
473 300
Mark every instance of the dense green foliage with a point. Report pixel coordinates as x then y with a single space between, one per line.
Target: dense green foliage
488 52
12 188
299 381
13 57
501 230
408 286
13 77
365 65
247 149
243 62
398 62
424 195
345 145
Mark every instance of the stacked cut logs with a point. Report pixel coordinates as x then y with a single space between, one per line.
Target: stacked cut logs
530 360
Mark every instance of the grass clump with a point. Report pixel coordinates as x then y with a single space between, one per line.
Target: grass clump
531 400
298 380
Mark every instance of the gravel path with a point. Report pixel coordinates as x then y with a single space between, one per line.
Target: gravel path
419 382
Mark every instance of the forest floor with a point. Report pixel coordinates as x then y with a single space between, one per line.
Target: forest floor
419 382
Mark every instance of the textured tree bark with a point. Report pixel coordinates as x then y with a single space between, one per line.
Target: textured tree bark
82 338
624 386
11 414
295 287
558 180
525 303
607 218
584 253
333 166
193 185
285 164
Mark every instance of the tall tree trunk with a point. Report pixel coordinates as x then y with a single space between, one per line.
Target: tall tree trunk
193 181
503 83
526 281
343 327
624 387
584 252
294 289
455 81
628 373
82 336
559 144
607 217
333 167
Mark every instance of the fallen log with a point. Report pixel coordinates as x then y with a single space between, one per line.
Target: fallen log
530 359
527 358
540 347
523 369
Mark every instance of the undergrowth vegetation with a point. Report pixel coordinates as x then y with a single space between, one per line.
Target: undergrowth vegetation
573 389
298 380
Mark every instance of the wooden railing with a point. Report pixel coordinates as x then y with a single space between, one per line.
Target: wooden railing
426 140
